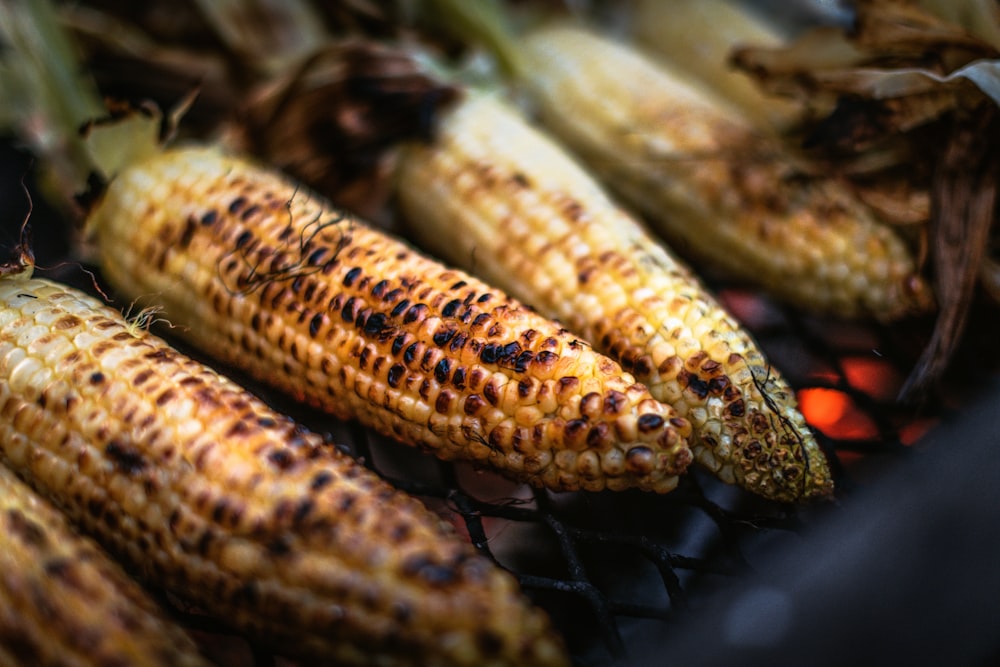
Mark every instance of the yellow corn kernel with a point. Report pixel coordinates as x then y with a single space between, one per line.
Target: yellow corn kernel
235 508
64 601
499 197
717 191
265 275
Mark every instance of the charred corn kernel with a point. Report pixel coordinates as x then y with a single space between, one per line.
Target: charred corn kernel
695 39
498 196
199 487
716 191
267 276
63 601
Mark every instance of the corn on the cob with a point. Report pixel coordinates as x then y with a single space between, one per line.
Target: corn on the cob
63 601
498 196
202 489
267 276
696 38
716 191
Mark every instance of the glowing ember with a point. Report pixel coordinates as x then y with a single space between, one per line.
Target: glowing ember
873 375
835 414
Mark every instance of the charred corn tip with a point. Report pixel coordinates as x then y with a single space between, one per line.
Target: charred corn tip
267 276
64 601
202 489
714 188
497 196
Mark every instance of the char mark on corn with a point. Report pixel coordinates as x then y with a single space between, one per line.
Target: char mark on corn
494 194
201 489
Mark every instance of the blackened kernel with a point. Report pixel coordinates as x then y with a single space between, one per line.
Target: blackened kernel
524 388
597 434
427 360
363 358
351 276
484 298
442 369
237 204
411 352
450 307
696 385
96 377
416 312
316 257
250 212
717 385
396 373
321 480
349 311
375 324
650 422
127 459
400 307
510 351
442 336
458 342
315 324
459 285
458 377
546 357
490 353
614 402
397 343
209 217
481 319
303 510
523 360
393 295
379 289
425 389
243 239
238 428
188 234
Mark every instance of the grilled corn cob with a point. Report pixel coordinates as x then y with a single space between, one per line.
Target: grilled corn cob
200 488
498 196
63 601
267 276
696 39
719 193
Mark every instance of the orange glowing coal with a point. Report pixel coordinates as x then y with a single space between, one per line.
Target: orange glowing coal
834 413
